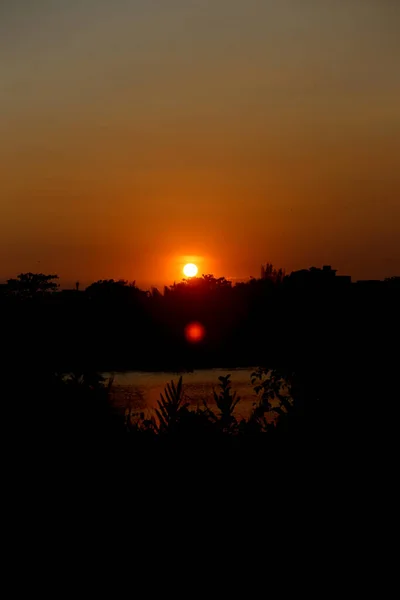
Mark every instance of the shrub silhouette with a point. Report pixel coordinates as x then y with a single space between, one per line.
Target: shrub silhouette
171 408
174 416
226 402
274 398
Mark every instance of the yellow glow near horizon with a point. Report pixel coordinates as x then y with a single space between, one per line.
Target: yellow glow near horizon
190 270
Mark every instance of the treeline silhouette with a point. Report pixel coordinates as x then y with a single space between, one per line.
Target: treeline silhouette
332 342
113 325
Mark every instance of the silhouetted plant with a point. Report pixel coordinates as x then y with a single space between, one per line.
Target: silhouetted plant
171 407
226 402
273 391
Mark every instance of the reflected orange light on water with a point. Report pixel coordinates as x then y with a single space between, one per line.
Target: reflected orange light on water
194 332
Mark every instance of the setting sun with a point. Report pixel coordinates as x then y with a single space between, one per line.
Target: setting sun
190 270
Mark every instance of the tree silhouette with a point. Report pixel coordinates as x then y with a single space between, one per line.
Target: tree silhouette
270 273
109 290
29 285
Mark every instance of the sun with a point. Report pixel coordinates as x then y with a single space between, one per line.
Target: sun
190 270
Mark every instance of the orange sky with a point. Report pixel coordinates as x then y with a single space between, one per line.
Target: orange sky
135 135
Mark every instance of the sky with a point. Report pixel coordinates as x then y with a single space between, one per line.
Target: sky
137 135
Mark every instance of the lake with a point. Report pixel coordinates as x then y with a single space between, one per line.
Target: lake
141 390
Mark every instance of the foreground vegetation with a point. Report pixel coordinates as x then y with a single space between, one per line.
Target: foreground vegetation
329 351
175 417
77 407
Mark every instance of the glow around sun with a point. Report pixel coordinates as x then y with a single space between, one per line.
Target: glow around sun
190 270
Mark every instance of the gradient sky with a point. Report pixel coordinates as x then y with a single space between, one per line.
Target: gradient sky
136 134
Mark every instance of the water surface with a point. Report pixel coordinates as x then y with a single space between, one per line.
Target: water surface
140 390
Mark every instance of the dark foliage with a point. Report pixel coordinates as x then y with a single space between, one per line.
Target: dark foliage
329 351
